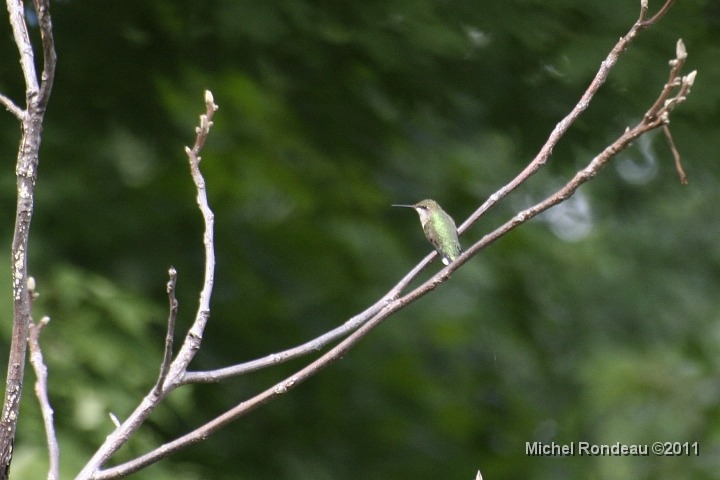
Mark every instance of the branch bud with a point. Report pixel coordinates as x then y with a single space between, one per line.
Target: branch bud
210 101
680 51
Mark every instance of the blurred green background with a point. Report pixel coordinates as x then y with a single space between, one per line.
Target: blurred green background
598 322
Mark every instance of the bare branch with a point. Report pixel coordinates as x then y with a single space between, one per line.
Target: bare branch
26 171
194 336
663 106
12 108
36 359
312 346
121 434
176 371
177 375
16 10
560 129
241 409
673 81
649 122
165 367
643 24
676 155
42 8
655 118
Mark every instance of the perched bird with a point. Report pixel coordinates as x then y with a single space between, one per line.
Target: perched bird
439 228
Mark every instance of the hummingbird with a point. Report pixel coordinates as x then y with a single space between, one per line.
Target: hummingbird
439 228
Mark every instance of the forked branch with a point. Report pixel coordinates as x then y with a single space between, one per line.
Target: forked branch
171 373
357 327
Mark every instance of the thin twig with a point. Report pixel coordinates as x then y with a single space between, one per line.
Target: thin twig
673 81
661 13
662 106
676 155
42 9
41 391
12 108
194 337
314 345
165 367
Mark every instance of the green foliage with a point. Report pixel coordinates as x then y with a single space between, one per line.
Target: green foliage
596 324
